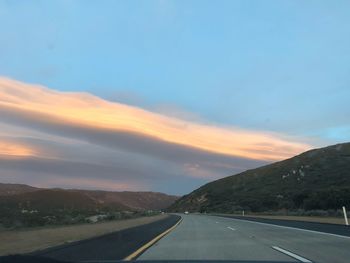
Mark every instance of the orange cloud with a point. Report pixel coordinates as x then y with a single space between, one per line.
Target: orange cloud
15 149
85 109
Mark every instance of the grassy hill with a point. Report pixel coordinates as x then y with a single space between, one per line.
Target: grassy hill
135 201
22 205
13 189
40 198
53 199
316 179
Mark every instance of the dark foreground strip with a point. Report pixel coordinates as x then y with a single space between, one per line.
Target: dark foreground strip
28 259
341 230
110 247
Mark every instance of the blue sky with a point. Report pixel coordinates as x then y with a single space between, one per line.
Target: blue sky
274 66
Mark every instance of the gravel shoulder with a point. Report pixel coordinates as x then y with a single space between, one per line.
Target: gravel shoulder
25 241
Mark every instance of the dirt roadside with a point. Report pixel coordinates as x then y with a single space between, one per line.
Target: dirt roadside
24 241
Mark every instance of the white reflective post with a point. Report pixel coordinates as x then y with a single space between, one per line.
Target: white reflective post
345 216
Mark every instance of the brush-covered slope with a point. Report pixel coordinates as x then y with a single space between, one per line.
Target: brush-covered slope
28 197
25 206
13 189
133 200
316 179
54 199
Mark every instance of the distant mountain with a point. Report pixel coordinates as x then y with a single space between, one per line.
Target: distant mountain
13 189
132 200
52 199
28 197
316 179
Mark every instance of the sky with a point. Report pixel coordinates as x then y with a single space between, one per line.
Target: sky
167 95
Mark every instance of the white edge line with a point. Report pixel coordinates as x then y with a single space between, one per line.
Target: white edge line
288 227
291 254
231 228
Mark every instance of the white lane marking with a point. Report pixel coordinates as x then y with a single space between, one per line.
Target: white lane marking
217 222
301 259
289 227
231 228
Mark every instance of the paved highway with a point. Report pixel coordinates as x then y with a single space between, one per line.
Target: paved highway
200 237
110 247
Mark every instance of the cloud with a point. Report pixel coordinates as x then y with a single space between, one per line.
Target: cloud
11 148
126 141
77 140
88 112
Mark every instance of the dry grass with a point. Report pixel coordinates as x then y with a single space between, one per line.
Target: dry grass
24 241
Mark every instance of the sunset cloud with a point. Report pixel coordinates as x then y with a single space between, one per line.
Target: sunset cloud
10 148
66 139
85 110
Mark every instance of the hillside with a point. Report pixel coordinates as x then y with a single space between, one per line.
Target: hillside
26 206
40 198
132 200
13 189
54 199
316 179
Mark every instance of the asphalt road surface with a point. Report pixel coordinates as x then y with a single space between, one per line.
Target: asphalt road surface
110 247
321 227
200 237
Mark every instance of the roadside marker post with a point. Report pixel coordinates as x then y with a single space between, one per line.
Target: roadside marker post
345 216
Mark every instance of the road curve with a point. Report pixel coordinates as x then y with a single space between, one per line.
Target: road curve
109 247
201 237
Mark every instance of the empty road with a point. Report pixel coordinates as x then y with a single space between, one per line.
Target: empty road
200 237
